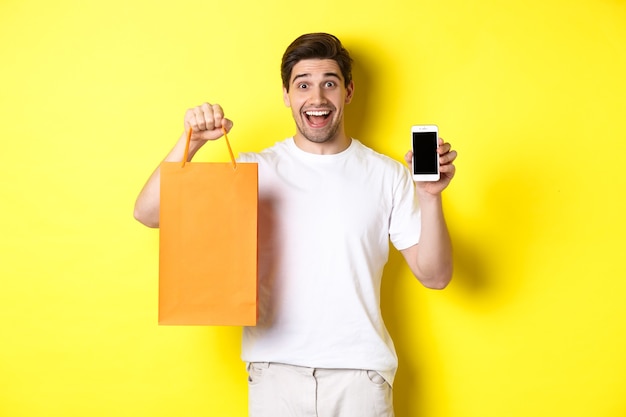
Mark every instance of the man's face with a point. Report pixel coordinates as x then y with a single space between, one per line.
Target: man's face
317 96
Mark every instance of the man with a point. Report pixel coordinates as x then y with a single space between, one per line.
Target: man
328 207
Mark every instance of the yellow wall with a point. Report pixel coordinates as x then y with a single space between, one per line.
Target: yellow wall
532 94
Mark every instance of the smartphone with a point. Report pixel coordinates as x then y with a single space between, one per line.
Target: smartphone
425 156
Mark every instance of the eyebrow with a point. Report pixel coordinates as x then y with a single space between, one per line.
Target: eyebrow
326 75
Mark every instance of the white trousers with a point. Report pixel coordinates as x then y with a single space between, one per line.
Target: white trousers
278 390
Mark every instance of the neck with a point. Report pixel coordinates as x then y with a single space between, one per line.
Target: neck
332 146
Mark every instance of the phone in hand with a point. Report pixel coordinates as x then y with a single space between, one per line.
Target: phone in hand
425 157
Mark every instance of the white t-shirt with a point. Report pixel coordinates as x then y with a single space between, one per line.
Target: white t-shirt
325 222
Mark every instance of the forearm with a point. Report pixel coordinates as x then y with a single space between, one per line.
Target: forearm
148 201
431 259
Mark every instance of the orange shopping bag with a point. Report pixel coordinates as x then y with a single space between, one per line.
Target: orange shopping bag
208 243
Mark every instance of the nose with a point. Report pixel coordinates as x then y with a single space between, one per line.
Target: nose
317 95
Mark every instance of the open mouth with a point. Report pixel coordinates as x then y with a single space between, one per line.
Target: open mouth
317 118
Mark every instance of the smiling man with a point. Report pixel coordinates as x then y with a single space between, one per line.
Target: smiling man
317 93
328 207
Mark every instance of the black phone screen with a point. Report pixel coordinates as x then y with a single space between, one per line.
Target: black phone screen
425 153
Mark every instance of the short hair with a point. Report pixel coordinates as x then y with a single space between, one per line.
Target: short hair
316 46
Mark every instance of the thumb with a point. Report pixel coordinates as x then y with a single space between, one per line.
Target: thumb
408 158
227 124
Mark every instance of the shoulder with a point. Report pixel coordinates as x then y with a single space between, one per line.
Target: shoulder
378 160
266 155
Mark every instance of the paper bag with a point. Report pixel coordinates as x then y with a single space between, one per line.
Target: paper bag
208 243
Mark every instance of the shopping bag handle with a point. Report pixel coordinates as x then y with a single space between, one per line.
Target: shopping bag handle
230 151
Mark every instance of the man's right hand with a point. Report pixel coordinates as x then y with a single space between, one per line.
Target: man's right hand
206 122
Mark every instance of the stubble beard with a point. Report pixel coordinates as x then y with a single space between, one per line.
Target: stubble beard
324 135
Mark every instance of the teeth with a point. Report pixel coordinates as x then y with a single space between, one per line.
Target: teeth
318 113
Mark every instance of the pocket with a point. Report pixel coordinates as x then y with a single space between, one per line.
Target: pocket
376 378
380 394
255 372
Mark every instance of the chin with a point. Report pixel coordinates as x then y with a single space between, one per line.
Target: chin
321 136
317 138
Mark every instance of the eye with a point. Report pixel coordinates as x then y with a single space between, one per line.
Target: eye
329 84
302 86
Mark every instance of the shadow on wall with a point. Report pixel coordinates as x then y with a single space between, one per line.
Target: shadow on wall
496 251
494 257
360 113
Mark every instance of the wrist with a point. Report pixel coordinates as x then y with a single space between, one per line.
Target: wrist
425 197
178 151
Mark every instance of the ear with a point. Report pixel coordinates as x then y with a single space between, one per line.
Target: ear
349 92
286 97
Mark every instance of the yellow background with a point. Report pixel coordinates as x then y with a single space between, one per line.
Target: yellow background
531 94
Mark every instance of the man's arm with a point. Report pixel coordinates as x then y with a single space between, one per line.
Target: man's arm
431 259
206 122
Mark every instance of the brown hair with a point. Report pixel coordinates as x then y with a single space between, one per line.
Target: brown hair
316 46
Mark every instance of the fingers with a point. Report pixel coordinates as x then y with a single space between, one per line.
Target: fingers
446 158
443 147
446 154
206 117
448 169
